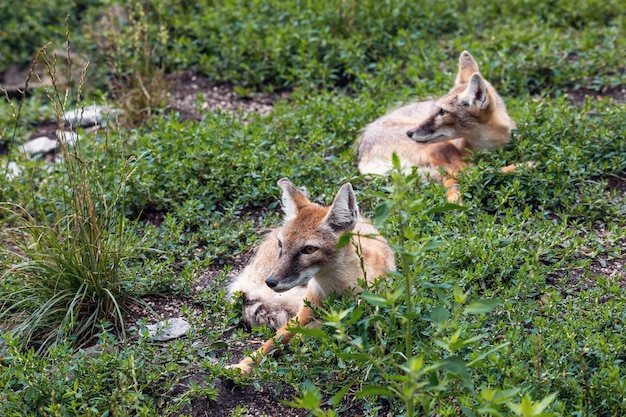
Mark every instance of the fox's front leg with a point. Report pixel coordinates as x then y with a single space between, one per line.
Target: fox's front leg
304 317
452 190
510 168
451 183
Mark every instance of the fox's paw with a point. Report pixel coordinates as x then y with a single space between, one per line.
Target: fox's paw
452 192
245 366
510 168
258 314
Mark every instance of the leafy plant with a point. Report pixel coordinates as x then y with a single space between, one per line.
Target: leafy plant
411 339
32 25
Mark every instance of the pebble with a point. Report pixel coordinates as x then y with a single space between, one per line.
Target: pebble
89 116
41 145
13 170
168 329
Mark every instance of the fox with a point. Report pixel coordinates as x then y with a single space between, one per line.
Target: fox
300 260
438 134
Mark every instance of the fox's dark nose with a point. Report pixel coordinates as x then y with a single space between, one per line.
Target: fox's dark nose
409 133
271 282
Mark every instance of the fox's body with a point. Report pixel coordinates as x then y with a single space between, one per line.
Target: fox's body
436 134
300 260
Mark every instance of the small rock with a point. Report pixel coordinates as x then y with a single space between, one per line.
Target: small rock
40 145
89 116
68 137
168 329
13 170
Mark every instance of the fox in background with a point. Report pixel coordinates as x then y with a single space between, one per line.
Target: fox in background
300 260
435 134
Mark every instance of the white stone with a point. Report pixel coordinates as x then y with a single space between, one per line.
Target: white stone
40 145
89 116
168 329
68 137
13 170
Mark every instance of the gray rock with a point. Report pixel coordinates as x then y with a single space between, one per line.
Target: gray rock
40 145
68 137
89 116
168 329
13 170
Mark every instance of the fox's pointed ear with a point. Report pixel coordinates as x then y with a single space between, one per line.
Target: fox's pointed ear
475 94
293 199
344 213
467 67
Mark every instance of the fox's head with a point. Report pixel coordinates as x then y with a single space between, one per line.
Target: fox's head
307 244
472 110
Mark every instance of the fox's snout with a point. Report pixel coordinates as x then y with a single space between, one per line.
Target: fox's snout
271 282
409 133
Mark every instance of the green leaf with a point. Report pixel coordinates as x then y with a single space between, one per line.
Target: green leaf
310 400
528 408
481 306
381 213
374 299
344 240
439 314
309 331
395 161
373 390
543 404
456 365
336 399
459 295
467 412
443 208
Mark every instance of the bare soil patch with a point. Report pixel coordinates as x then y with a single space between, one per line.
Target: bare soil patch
578 96
617 183
263 402
192 95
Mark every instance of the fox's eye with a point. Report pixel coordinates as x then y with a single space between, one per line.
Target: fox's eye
280 247
442 112
307 250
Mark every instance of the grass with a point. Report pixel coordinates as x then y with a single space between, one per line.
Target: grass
546 244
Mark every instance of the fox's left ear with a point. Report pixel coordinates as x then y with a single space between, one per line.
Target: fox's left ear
475 94
293 199
467 67
344 212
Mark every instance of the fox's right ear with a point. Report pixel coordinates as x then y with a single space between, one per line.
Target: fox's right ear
344 212
475 94
467 67
293 199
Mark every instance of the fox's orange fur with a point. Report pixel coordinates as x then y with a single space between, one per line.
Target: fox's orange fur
435 134
300 260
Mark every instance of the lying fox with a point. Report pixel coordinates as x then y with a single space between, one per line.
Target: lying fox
300 260
435 134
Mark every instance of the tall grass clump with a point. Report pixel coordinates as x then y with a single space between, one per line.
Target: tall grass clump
130 42
65 245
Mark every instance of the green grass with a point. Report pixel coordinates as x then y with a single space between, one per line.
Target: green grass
538 241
